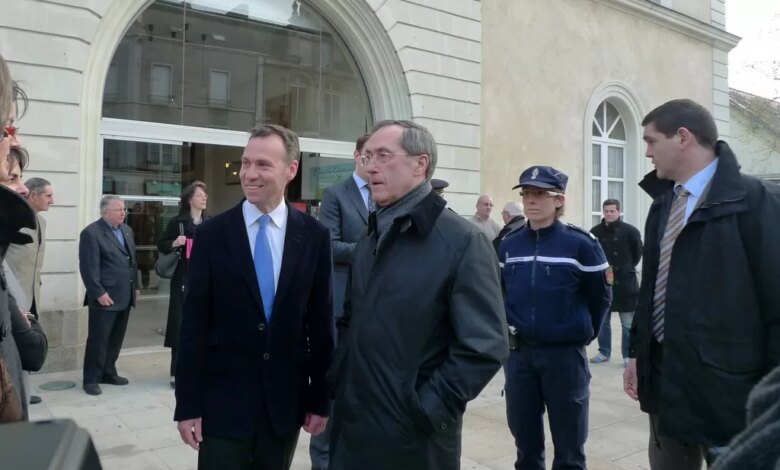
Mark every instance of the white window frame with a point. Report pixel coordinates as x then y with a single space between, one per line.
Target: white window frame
604 144
636 202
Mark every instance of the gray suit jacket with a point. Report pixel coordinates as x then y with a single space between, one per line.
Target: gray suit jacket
107 266
25 261
346 216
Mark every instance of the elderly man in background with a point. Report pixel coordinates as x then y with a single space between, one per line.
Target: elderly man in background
513 221
109 270
482 218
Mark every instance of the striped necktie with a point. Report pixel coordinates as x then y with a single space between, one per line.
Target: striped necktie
674 226
370 204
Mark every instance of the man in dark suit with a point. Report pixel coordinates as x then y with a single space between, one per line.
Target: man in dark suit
110 273
257 332
344 210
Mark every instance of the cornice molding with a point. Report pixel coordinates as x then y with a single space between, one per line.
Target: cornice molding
675 21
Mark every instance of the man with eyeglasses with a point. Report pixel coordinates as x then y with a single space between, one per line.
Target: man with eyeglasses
423 330
109 269
556 298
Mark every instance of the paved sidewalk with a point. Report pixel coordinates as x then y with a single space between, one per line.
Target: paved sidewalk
132 425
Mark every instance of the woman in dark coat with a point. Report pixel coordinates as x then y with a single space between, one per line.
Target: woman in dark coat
179 235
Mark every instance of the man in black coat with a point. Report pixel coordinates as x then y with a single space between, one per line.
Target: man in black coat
109 270
707 326
257 332
423 329
622 244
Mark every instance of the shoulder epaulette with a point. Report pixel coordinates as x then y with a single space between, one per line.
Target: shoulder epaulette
581 230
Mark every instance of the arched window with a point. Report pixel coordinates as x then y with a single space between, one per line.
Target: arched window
608 173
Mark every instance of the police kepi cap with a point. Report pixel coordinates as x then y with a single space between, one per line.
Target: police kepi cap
438 185
545 177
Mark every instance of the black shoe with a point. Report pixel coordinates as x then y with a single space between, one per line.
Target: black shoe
115 380
35 399
92 389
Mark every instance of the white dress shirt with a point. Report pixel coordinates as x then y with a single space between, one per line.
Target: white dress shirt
276 231
363 187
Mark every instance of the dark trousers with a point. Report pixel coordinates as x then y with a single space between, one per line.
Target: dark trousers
263 451
670 454
555 378
104 341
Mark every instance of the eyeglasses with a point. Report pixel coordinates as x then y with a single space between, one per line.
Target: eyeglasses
380 158
539 193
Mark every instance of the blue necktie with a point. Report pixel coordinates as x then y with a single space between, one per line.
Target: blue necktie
264 268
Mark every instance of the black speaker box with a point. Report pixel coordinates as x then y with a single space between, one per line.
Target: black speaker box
47 445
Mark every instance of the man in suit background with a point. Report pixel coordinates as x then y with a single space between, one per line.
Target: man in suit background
257 332
344 210
26 260
109 270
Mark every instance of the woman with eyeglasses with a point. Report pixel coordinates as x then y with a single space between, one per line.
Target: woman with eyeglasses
556 298
15 214
179 235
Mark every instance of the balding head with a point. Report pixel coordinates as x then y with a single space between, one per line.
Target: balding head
484 206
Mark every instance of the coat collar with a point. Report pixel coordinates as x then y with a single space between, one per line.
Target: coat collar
726 184
420 220
726 194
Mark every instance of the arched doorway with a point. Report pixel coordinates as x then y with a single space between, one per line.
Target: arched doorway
185 82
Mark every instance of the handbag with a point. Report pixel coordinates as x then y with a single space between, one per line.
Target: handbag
166 264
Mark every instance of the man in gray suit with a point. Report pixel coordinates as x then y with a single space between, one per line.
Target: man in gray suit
109 269
344 211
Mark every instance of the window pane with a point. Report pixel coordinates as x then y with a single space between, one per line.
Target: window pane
239 65
615 162
615 190
141 168
596 160
596 219
160 88
612 115
599 116
219 88
618 132
596 207
596 131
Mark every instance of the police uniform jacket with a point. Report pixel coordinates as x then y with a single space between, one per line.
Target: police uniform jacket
722 317
623 246
555 284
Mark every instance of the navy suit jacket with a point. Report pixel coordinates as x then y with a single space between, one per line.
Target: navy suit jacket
346 216
108 267
229 361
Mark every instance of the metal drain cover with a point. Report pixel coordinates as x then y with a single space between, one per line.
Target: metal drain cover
57 385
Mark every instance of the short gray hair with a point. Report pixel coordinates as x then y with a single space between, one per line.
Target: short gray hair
513 208
105 201
415 140
37 185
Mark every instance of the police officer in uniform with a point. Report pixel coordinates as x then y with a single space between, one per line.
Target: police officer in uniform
556 298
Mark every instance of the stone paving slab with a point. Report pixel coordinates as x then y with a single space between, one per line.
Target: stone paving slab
132 425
